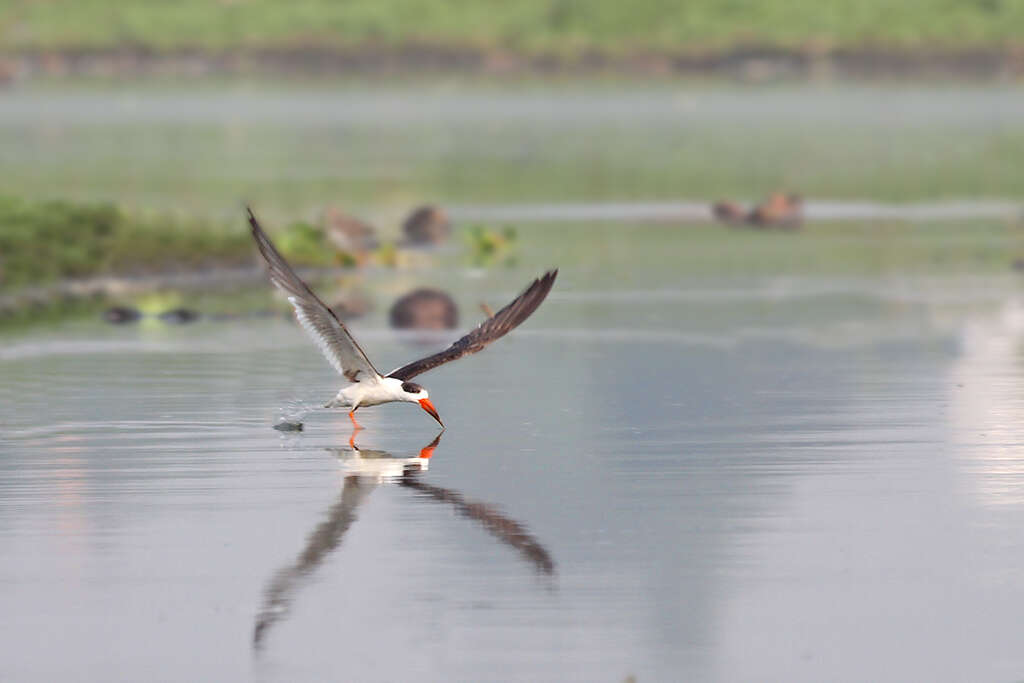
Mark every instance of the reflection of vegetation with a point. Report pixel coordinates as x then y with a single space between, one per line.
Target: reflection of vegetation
45 241
154 303
488 246
51 311
565 27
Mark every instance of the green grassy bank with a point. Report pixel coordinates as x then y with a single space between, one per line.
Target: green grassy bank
45 241
551 27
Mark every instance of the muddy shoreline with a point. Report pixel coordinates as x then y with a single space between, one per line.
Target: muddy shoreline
747 63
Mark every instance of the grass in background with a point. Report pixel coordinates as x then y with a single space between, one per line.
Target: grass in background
294 150
651 255
41 242
562 27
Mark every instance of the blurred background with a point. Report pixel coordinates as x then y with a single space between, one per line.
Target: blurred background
767 426
132 133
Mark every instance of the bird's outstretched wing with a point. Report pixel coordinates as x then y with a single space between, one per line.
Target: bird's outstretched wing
327 331
495 327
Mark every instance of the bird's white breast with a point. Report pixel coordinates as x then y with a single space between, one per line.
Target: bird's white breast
372 392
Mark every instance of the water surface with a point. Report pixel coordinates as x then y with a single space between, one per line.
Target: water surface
712 454
813 478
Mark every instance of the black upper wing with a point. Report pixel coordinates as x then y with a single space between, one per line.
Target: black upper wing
495 327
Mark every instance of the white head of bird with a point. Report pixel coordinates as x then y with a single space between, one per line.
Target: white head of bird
414 393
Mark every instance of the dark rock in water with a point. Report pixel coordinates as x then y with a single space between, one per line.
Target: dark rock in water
121 315
427 225
179 316
286 426
425 309
348 233
1018 265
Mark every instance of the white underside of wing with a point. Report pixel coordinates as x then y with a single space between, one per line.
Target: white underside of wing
334 343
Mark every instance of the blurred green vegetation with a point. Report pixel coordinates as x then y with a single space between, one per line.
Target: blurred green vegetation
41 242
45 241
277 146
52 311
306 244
486 246
562 27
640 254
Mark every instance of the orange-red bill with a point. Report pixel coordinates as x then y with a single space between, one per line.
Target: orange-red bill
429 407
427 451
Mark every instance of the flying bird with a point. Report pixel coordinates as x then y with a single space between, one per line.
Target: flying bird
368 386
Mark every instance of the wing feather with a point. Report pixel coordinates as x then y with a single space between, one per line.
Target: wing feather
329 333
492 329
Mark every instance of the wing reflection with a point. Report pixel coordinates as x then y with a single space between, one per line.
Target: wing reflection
364 470
324 539
508 531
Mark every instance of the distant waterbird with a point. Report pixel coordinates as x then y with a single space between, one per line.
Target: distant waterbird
779 210
729 212
368 386
427 225
348 233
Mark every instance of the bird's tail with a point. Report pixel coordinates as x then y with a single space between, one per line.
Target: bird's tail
338 401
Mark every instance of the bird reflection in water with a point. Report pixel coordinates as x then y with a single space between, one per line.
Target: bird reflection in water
364 470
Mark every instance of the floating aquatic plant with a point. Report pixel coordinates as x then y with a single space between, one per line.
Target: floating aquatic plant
490 246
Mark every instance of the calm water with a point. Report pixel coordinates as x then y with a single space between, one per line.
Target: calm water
711 455
688 479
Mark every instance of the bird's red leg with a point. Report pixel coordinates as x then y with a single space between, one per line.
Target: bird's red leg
352 416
